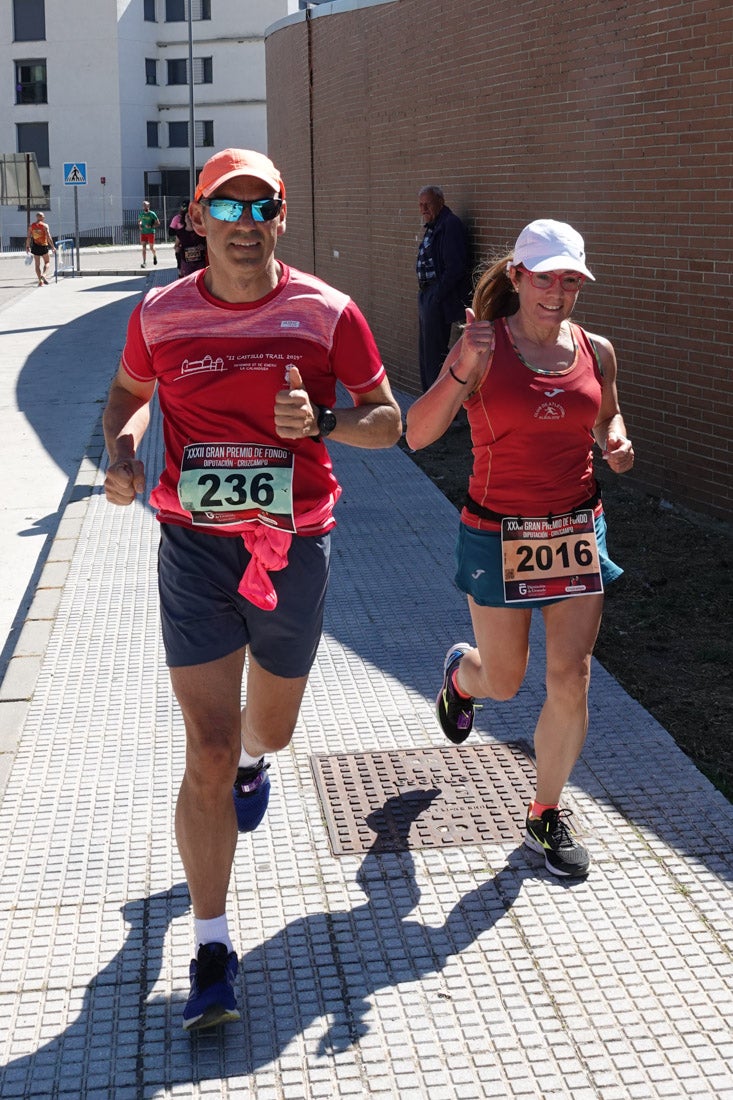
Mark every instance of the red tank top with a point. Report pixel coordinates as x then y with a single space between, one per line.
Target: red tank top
533 433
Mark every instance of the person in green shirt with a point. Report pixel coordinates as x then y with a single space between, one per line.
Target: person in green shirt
148 222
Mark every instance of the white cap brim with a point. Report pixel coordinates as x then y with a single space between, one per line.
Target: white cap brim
560 263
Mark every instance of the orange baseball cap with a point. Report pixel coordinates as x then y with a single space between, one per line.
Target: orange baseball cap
229 163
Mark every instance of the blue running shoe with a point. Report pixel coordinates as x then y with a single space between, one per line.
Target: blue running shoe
251 795
211 1000
455 714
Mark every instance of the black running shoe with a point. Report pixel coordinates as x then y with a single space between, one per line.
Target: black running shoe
251 795
550 836
211 1000
454 713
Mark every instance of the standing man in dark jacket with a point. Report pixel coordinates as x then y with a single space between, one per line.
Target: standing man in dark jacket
443 280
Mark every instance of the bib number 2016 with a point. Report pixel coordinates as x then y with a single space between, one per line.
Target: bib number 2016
550 559
543 557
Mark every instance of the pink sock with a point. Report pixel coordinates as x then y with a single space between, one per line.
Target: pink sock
537 809
454 682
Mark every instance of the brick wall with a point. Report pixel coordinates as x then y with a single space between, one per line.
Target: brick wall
613 117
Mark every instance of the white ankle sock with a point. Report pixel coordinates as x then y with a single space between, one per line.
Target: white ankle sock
247 761
212 931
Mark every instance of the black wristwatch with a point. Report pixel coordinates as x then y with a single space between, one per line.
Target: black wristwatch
326 420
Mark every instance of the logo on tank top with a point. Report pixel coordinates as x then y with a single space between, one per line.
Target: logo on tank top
549 410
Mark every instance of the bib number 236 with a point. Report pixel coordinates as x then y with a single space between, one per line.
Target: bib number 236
230 483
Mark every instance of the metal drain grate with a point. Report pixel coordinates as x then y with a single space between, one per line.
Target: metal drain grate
424 798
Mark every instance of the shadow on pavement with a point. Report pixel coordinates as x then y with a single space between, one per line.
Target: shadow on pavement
324 966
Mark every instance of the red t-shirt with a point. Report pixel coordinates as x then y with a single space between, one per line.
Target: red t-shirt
533 434
218 367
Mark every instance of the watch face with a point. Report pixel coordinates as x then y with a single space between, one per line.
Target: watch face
326 420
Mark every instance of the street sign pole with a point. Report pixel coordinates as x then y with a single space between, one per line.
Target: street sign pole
77 266
191 124
75 175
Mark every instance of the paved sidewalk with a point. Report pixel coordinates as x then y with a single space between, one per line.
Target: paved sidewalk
385 951
118 260
61 345
98 260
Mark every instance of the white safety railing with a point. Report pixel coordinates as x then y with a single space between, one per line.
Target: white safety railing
64 257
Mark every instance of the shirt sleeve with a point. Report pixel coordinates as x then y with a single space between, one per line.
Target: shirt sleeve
355 358
136 357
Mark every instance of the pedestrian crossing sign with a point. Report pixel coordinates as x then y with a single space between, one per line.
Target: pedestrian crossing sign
75 173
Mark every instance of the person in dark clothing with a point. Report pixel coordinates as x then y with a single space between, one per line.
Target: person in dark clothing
191 254
177 222
443 280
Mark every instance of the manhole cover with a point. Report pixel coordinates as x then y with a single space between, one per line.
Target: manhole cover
424 798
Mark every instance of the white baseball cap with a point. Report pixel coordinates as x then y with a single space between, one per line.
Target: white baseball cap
547 245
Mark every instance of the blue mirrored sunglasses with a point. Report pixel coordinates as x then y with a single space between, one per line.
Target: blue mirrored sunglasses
231 210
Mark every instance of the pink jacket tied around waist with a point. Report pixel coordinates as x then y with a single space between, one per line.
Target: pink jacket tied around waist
268 547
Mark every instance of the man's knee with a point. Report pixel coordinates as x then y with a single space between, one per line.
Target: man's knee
212 754
272 738
270 727
271 712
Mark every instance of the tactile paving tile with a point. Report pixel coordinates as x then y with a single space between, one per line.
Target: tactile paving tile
424 798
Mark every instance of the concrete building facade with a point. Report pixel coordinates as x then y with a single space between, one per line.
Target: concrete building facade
106 85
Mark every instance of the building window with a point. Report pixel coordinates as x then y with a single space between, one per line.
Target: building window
149 11
175 10
33 138
30 82
153 141
177 71
204 132
151 70
178 135
203 70
29 20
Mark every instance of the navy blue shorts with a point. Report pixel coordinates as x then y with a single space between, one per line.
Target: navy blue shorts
204 617
479 567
